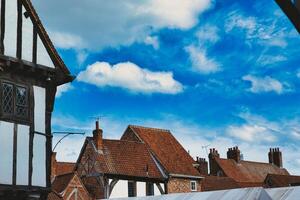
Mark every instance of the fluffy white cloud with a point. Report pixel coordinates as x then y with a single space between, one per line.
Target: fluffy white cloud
251 133
100 23
208 33
63 89
66 40
175 13
270 59
153 41
131 77
264 84
201 62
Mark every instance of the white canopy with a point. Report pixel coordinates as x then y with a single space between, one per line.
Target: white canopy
290 193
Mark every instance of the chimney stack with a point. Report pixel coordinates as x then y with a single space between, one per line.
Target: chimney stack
203 166
98 137
213 165
275 157
234 153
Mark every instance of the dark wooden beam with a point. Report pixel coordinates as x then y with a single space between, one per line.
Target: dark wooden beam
34 46
19 30
15 144
2 21
289 8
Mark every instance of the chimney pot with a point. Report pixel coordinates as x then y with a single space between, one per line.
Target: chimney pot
234 153
275 157
98 136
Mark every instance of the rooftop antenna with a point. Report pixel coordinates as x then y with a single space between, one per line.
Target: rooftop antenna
205 147
66 134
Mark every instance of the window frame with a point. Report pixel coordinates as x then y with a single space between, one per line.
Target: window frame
14 117
134 188
195 184
149 189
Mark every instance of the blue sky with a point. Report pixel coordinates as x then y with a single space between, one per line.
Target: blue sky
218 73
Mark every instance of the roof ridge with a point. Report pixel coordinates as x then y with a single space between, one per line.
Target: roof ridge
128 141
150 128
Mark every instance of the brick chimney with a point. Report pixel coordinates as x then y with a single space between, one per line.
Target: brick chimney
213 165
53 166
234 153
275 157
98 137
203 166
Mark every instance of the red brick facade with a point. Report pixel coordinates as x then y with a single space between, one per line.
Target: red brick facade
181 185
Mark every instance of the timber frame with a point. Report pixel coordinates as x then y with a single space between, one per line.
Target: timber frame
29 73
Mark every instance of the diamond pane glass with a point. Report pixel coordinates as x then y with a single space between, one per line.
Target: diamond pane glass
21 102
7 95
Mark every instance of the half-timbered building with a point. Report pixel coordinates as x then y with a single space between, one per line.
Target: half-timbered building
30 72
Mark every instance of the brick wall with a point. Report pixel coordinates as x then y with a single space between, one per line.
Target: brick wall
181 185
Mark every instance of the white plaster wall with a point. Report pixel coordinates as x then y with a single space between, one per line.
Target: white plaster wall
6 152
120 190
39 161
39 141
140 189
10 39
43 57
39 109
27 40
156 190
22 155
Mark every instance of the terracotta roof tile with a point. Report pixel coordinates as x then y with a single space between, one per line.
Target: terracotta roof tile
64 168
127 158
61 182
54 196
173 157
275 180
246 171
211 183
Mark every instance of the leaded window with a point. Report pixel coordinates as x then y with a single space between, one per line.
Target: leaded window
14 101
8 98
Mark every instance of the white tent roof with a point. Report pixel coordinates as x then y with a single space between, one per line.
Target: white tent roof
290 193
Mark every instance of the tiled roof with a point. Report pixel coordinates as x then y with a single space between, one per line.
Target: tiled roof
127 158
211 183
172 156
61 182
275 180
54 196
64 168
246 171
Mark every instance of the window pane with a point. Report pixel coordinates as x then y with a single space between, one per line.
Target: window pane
131 189
7 98
150 189
21 102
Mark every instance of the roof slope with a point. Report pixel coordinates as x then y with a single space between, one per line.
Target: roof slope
64 168
211 183
127 158
246 171
61 182
171 155
54 196
275 180
45 37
